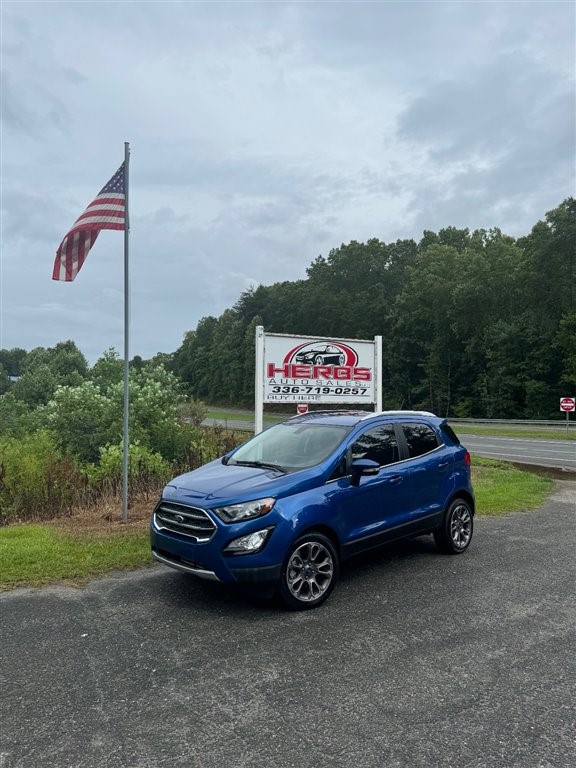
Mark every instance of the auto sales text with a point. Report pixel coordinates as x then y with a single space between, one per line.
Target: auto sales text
338 372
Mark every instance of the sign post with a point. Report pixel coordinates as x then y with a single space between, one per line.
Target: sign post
259 391
567 405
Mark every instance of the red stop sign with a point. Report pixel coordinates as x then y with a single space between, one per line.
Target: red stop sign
567 404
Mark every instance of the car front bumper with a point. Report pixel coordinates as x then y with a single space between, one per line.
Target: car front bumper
209 560
258 575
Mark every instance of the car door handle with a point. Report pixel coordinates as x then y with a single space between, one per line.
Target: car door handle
395 479
442 464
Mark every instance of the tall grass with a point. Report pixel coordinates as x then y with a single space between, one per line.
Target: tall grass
39 482
36 479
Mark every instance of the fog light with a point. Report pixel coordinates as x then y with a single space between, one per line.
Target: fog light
251 542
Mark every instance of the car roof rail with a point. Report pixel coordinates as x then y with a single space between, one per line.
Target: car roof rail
403 413
312 414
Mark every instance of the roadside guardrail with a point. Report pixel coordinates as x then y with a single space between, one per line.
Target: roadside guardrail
559 423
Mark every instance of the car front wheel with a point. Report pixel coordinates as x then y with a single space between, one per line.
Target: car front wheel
455 533
309 572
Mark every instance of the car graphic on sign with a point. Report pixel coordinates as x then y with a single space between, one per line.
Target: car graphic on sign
323 354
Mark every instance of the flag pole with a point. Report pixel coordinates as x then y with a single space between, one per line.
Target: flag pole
126 442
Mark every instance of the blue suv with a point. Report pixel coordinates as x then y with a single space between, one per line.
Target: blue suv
290 504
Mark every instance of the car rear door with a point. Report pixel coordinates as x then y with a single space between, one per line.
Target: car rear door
430 480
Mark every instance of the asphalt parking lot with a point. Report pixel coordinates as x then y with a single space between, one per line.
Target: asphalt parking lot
417 660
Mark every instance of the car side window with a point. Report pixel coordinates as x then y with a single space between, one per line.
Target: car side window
420 439
378 444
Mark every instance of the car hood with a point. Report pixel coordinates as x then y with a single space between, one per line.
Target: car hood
216 484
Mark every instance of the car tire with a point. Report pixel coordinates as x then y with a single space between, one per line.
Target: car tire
309 572
318 360
455 533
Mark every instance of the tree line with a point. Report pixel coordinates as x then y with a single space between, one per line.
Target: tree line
474 324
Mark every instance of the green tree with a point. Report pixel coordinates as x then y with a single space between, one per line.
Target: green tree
425 345
15 416
12 360
193 359
5 382
35 387
82 420
565 343
67 364
45 369
86 418
107 371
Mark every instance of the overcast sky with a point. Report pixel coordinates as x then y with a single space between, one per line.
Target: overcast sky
263 134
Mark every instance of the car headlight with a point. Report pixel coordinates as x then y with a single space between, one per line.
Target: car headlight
249 544
234 513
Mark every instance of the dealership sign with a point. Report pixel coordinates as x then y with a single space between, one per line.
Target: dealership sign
312 369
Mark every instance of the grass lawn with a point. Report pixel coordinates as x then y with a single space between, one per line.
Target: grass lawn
34 555
92 543
500 488
519 432
237 415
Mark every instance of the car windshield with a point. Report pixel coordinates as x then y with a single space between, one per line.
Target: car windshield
291 447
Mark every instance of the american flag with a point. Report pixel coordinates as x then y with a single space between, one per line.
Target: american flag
106 211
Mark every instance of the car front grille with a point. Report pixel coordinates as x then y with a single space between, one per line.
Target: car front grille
187 521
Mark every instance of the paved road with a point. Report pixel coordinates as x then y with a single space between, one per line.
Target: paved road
417 661
546 453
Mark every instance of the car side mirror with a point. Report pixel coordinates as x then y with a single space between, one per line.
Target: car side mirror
363 467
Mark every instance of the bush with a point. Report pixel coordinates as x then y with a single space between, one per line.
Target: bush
193 412
204 444
81 420
36 481
147 471
87 417
13 416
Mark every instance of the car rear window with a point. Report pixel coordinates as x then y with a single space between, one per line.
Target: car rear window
449 432
420 439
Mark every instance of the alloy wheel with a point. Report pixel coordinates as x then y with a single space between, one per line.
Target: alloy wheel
461 526
310 571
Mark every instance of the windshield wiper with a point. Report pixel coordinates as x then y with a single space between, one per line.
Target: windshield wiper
260 465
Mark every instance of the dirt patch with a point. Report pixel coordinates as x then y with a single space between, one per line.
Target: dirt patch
557 473
106 518
566 493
